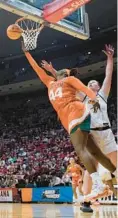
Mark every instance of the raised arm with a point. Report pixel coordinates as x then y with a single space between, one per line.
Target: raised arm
39 71
106 86
79 86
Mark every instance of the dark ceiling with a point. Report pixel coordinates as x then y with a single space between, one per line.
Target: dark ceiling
102 15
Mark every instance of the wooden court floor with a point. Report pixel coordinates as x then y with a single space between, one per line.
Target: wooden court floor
54 211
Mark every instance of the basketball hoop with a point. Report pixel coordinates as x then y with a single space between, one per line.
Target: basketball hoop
30 31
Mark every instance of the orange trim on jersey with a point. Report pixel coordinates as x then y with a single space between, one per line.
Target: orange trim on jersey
78 121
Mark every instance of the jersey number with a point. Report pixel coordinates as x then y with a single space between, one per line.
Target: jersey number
53 95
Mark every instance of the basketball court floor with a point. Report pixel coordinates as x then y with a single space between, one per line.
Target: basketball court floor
54 211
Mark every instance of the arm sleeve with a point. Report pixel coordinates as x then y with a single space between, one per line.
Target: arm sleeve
79 86
39 71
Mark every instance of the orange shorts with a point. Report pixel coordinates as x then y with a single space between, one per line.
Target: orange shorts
72 115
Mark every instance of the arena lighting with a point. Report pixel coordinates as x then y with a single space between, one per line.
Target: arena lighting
98 28
89 52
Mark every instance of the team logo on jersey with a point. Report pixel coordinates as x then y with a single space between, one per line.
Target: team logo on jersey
96 105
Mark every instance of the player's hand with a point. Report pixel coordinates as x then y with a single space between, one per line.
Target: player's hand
109 51
47 66
23 46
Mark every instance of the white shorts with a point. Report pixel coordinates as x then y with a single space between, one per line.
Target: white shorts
105 140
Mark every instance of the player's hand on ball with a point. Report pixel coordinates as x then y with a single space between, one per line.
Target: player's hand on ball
47 66
109 51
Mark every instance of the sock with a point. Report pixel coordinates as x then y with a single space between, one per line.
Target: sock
96 178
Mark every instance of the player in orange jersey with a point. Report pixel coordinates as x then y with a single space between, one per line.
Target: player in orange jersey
76 173
75 117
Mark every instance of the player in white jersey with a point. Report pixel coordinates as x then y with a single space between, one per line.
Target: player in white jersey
100 124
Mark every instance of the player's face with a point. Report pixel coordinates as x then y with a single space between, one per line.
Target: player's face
94 85
62 74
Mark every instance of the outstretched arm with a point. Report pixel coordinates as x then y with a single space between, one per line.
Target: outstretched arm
49 67
106 86
79 86
39 71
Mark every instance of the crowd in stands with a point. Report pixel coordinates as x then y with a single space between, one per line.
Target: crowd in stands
32 142
34 148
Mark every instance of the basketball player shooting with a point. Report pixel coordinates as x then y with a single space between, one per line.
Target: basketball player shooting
74 117
100 124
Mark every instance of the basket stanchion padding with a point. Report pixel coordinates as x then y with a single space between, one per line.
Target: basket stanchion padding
57 10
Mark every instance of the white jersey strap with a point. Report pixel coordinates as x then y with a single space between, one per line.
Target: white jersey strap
102 98
102 95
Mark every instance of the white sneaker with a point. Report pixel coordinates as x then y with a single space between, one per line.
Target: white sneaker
98 191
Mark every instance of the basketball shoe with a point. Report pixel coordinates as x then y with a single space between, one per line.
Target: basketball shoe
98 191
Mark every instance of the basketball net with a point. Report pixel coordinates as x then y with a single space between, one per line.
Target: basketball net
30 39
30 32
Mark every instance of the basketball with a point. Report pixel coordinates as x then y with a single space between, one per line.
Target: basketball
14 32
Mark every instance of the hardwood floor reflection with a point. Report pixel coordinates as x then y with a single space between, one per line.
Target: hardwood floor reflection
54 211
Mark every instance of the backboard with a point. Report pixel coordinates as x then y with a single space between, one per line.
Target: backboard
76 25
